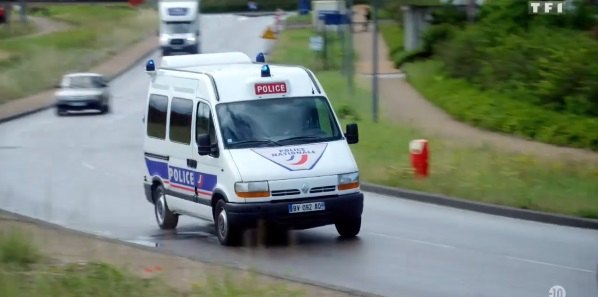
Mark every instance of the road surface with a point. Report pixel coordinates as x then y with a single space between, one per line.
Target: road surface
85 172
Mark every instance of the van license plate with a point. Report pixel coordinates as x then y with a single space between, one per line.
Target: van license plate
306 207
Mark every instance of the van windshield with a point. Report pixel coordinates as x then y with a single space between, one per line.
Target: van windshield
177 27
276 122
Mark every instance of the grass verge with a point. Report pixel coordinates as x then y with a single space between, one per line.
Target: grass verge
15 29
24 271
480 174
98 31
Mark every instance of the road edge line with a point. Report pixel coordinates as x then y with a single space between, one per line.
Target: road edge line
110 78
493 209
58 227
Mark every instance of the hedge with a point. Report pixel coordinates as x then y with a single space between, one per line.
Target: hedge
495 111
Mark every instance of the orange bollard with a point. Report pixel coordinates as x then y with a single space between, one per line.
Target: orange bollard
419 152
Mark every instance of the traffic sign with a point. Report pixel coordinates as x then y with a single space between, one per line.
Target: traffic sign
269 34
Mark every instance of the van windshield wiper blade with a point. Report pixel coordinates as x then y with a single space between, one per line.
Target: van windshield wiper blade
256 141
305 137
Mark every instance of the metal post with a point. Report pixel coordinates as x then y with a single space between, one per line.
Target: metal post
23 11
350 46
375 64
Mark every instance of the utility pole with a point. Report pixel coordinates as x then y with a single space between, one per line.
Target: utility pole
471 10
23 11
349 46
375 64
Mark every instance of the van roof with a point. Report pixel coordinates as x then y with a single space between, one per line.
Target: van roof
235 81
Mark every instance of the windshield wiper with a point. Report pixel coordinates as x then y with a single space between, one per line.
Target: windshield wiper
305 137
257 141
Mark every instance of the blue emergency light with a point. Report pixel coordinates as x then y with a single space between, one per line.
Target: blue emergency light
266 71
260 58
150 65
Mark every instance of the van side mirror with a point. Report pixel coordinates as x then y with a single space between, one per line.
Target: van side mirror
352 133
203 144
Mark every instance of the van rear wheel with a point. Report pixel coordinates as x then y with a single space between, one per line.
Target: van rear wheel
348 227
228 233
165 218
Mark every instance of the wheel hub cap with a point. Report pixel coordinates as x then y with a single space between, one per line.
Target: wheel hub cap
222 224
160 209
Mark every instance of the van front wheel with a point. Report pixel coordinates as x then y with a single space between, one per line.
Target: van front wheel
166 219
348 227
228 233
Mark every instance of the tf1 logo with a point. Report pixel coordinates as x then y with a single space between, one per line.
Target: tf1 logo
546 7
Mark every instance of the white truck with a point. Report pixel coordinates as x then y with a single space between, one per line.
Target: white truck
179 26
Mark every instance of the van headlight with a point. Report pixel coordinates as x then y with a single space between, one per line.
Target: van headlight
191 39
252 189
348 181
163 39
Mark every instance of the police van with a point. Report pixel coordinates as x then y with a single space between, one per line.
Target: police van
236 141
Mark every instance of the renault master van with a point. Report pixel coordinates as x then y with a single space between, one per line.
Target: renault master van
234 142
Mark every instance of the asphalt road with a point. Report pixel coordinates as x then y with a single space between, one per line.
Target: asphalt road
85 172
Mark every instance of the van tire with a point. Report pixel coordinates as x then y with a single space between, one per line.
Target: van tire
348 227
60 112
228 234
165 218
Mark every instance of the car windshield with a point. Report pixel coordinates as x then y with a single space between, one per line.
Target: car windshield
275 122
177 27
84 82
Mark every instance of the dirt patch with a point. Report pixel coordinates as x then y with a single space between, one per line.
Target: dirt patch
4 56
71 247
46 26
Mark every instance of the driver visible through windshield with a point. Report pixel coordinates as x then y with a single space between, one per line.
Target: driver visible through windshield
276 122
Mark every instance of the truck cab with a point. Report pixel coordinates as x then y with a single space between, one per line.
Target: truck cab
179 27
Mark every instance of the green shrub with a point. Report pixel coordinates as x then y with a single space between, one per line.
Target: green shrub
495 111
435 35
15 248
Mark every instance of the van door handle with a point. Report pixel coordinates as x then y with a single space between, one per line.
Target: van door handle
191 163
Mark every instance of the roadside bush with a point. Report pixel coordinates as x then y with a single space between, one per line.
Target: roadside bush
435 35
16 249
496 111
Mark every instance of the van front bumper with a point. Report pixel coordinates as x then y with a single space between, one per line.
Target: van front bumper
246 215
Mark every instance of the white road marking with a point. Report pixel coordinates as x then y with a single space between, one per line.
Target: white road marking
88 165
505 256
549 264
416 241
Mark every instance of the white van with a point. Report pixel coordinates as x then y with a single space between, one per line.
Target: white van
235 142
179 26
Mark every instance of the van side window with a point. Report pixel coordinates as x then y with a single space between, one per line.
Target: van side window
181 111
156 116
204 123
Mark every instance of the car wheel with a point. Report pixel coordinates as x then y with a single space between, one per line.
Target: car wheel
105 108
228 234
348 227
165 218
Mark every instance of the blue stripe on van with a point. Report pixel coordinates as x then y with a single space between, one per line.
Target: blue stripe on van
183 178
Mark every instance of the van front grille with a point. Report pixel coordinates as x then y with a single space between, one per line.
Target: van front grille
177 41
285 192
322 189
